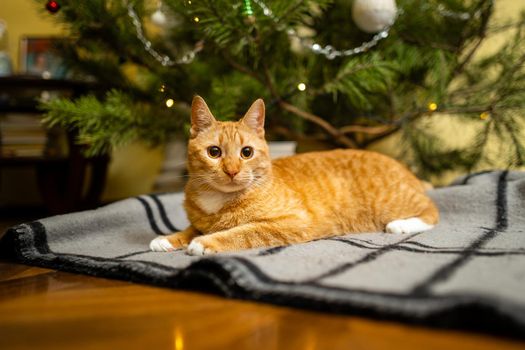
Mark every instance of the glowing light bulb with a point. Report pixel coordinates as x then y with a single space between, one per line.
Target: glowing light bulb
301 86
196 19
162 88
169 102
432 106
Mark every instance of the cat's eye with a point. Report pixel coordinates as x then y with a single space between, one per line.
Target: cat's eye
214 152
247 152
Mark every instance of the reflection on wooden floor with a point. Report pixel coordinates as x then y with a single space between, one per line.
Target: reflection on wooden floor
46 309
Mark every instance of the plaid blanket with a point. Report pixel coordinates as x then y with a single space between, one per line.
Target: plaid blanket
468 272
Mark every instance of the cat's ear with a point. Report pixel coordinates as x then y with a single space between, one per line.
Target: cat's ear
201 117
254 118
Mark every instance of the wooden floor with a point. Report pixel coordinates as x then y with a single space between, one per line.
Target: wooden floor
46 309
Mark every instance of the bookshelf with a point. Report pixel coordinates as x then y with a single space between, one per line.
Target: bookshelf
66 179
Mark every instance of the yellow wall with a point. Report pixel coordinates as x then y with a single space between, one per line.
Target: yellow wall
25 17
133 168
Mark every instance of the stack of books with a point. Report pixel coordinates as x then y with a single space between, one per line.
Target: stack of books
22 136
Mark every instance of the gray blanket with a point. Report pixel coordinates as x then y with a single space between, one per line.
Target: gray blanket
468 272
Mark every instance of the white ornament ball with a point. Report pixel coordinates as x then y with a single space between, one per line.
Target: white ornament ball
373 16
159 18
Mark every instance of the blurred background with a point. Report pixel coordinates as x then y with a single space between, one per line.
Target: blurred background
438 85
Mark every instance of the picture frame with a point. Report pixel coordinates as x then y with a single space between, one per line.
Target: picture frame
38 58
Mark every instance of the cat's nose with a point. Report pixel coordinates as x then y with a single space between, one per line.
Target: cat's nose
231 173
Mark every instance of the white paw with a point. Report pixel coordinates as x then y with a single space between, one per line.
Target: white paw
196 248
161 244
411 225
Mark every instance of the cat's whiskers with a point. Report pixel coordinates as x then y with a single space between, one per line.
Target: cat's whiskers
201 183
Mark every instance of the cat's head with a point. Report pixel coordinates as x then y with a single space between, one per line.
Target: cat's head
228 156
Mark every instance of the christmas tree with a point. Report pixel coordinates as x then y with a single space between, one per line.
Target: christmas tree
345 73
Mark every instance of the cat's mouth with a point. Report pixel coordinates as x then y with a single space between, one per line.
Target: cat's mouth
231 185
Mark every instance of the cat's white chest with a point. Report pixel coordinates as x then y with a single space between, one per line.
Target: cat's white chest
212 202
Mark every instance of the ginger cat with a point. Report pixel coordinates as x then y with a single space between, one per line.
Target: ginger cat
237 198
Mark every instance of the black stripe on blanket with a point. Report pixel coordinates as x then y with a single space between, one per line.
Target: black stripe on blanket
31 247
129 255
473 175
403 247
501 224
163 214
149 214
365 259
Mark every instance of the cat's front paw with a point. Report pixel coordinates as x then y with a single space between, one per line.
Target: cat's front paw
161 244
199 247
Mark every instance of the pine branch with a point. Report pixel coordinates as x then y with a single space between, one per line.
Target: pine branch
337 134
240 67
326 126
482 34
372 130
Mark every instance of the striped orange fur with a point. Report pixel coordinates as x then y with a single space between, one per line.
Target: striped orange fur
236 202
